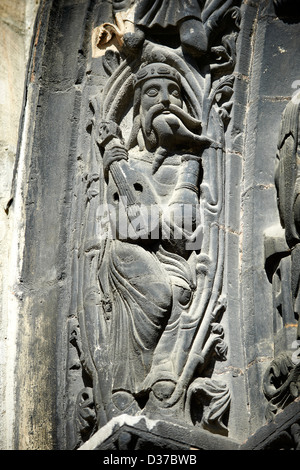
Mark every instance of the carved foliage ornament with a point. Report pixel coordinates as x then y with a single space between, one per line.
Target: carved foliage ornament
150 267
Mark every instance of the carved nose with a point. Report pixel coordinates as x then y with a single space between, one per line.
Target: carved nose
165 99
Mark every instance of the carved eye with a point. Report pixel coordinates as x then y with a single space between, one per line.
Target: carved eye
152 92
174 91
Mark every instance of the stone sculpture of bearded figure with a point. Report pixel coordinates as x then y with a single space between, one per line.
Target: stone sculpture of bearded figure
150 280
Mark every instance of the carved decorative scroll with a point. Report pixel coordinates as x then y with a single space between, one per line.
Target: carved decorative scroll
151 256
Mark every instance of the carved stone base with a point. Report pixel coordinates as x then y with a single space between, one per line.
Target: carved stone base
140 433
282 433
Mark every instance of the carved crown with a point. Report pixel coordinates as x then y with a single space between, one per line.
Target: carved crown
155 70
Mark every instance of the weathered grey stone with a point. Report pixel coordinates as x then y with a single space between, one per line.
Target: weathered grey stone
150 435
280 434
16 27
99 363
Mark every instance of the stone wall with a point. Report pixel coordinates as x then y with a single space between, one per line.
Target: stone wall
16 28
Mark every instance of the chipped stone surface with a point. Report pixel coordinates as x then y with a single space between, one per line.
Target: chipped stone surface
154 435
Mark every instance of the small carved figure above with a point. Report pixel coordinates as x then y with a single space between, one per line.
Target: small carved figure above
185 16
190 26
124 22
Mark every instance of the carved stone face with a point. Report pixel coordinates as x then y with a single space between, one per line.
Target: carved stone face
157 96
160 90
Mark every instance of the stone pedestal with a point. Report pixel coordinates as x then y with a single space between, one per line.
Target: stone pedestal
139 433
282 433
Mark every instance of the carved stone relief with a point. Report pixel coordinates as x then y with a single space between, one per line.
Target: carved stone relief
282 378
152 290
281 433
150 266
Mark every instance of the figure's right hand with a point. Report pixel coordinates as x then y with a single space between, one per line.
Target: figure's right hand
112 155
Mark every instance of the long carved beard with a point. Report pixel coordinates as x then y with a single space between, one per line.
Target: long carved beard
191 124
147 121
